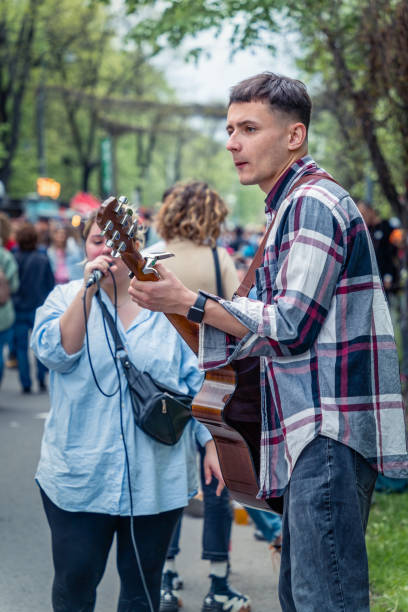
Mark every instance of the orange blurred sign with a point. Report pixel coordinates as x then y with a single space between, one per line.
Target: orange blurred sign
47 187
76 220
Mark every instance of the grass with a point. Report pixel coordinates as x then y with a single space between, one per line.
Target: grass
387 545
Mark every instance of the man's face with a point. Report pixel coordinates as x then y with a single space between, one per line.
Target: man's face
259 143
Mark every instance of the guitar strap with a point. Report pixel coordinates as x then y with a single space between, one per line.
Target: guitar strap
249 278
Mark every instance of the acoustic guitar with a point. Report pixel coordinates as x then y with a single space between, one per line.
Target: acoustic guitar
229 403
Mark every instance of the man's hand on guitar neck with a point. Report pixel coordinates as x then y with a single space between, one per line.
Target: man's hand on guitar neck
170 296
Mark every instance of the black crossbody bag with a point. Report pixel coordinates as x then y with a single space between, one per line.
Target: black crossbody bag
160 412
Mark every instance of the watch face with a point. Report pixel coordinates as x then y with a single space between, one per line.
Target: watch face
195 314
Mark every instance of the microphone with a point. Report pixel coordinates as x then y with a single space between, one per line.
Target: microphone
95 277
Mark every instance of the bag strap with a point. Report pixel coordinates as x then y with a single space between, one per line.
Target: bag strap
111 323
249 278
218 280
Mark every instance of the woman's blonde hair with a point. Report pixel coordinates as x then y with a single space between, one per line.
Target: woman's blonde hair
193 211
88 224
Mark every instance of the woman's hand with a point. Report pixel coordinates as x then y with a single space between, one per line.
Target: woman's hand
72 323
212 467
103 263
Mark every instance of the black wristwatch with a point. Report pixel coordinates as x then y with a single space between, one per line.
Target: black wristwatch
196 312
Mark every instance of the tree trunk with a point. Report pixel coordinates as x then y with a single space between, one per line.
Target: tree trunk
13 86
363 110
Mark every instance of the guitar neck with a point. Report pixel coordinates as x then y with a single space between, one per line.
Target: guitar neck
187 329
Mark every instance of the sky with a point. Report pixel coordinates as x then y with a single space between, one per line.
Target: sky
211 79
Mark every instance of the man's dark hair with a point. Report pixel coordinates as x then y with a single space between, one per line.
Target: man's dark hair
282 93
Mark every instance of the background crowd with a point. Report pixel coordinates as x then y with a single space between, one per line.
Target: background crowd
51 251
34 257
38 256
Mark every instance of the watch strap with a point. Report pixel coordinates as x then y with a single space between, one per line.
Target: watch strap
196 312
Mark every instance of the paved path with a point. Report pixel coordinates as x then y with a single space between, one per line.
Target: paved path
25 560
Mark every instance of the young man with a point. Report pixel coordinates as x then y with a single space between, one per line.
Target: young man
332 413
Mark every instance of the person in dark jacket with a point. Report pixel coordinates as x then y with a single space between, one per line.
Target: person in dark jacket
386 253
36 281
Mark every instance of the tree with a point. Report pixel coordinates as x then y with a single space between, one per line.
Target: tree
84 79
357 49
18 23
86 65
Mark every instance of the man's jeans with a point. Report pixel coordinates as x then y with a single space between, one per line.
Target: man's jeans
324 561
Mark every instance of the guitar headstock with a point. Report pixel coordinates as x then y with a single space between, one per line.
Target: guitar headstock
116 222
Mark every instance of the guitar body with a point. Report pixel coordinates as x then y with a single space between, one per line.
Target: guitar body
229 403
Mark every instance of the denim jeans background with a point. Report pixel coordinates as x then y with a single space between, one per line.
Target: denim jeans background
5 338
80 546
324 561
23 324
268 523
217 521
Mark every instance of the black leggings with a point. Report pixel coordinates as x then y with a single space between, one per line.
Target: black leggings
80 546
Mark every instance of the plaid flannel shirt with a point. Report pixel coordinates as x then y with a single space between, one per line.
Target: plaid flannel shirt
323 332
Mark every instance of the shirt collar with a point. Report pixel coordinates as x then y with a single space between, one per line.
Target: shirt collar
279 191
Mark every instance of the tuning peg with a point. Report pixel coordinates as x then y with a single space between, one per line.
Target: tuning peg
110 244
125 219
121 247
132 230
107 228
122 201
115 235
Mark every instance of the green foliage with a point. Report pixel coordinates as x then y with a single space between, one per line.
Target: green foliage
355 52
387 545
93 72
92 81
18 25
25 166
172 21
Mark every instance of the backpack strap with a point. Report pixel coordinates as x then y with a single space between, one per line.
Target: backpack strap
220 291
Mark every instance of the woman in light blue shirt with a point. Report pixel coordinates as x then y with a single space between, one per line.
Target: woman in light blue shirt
82 473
